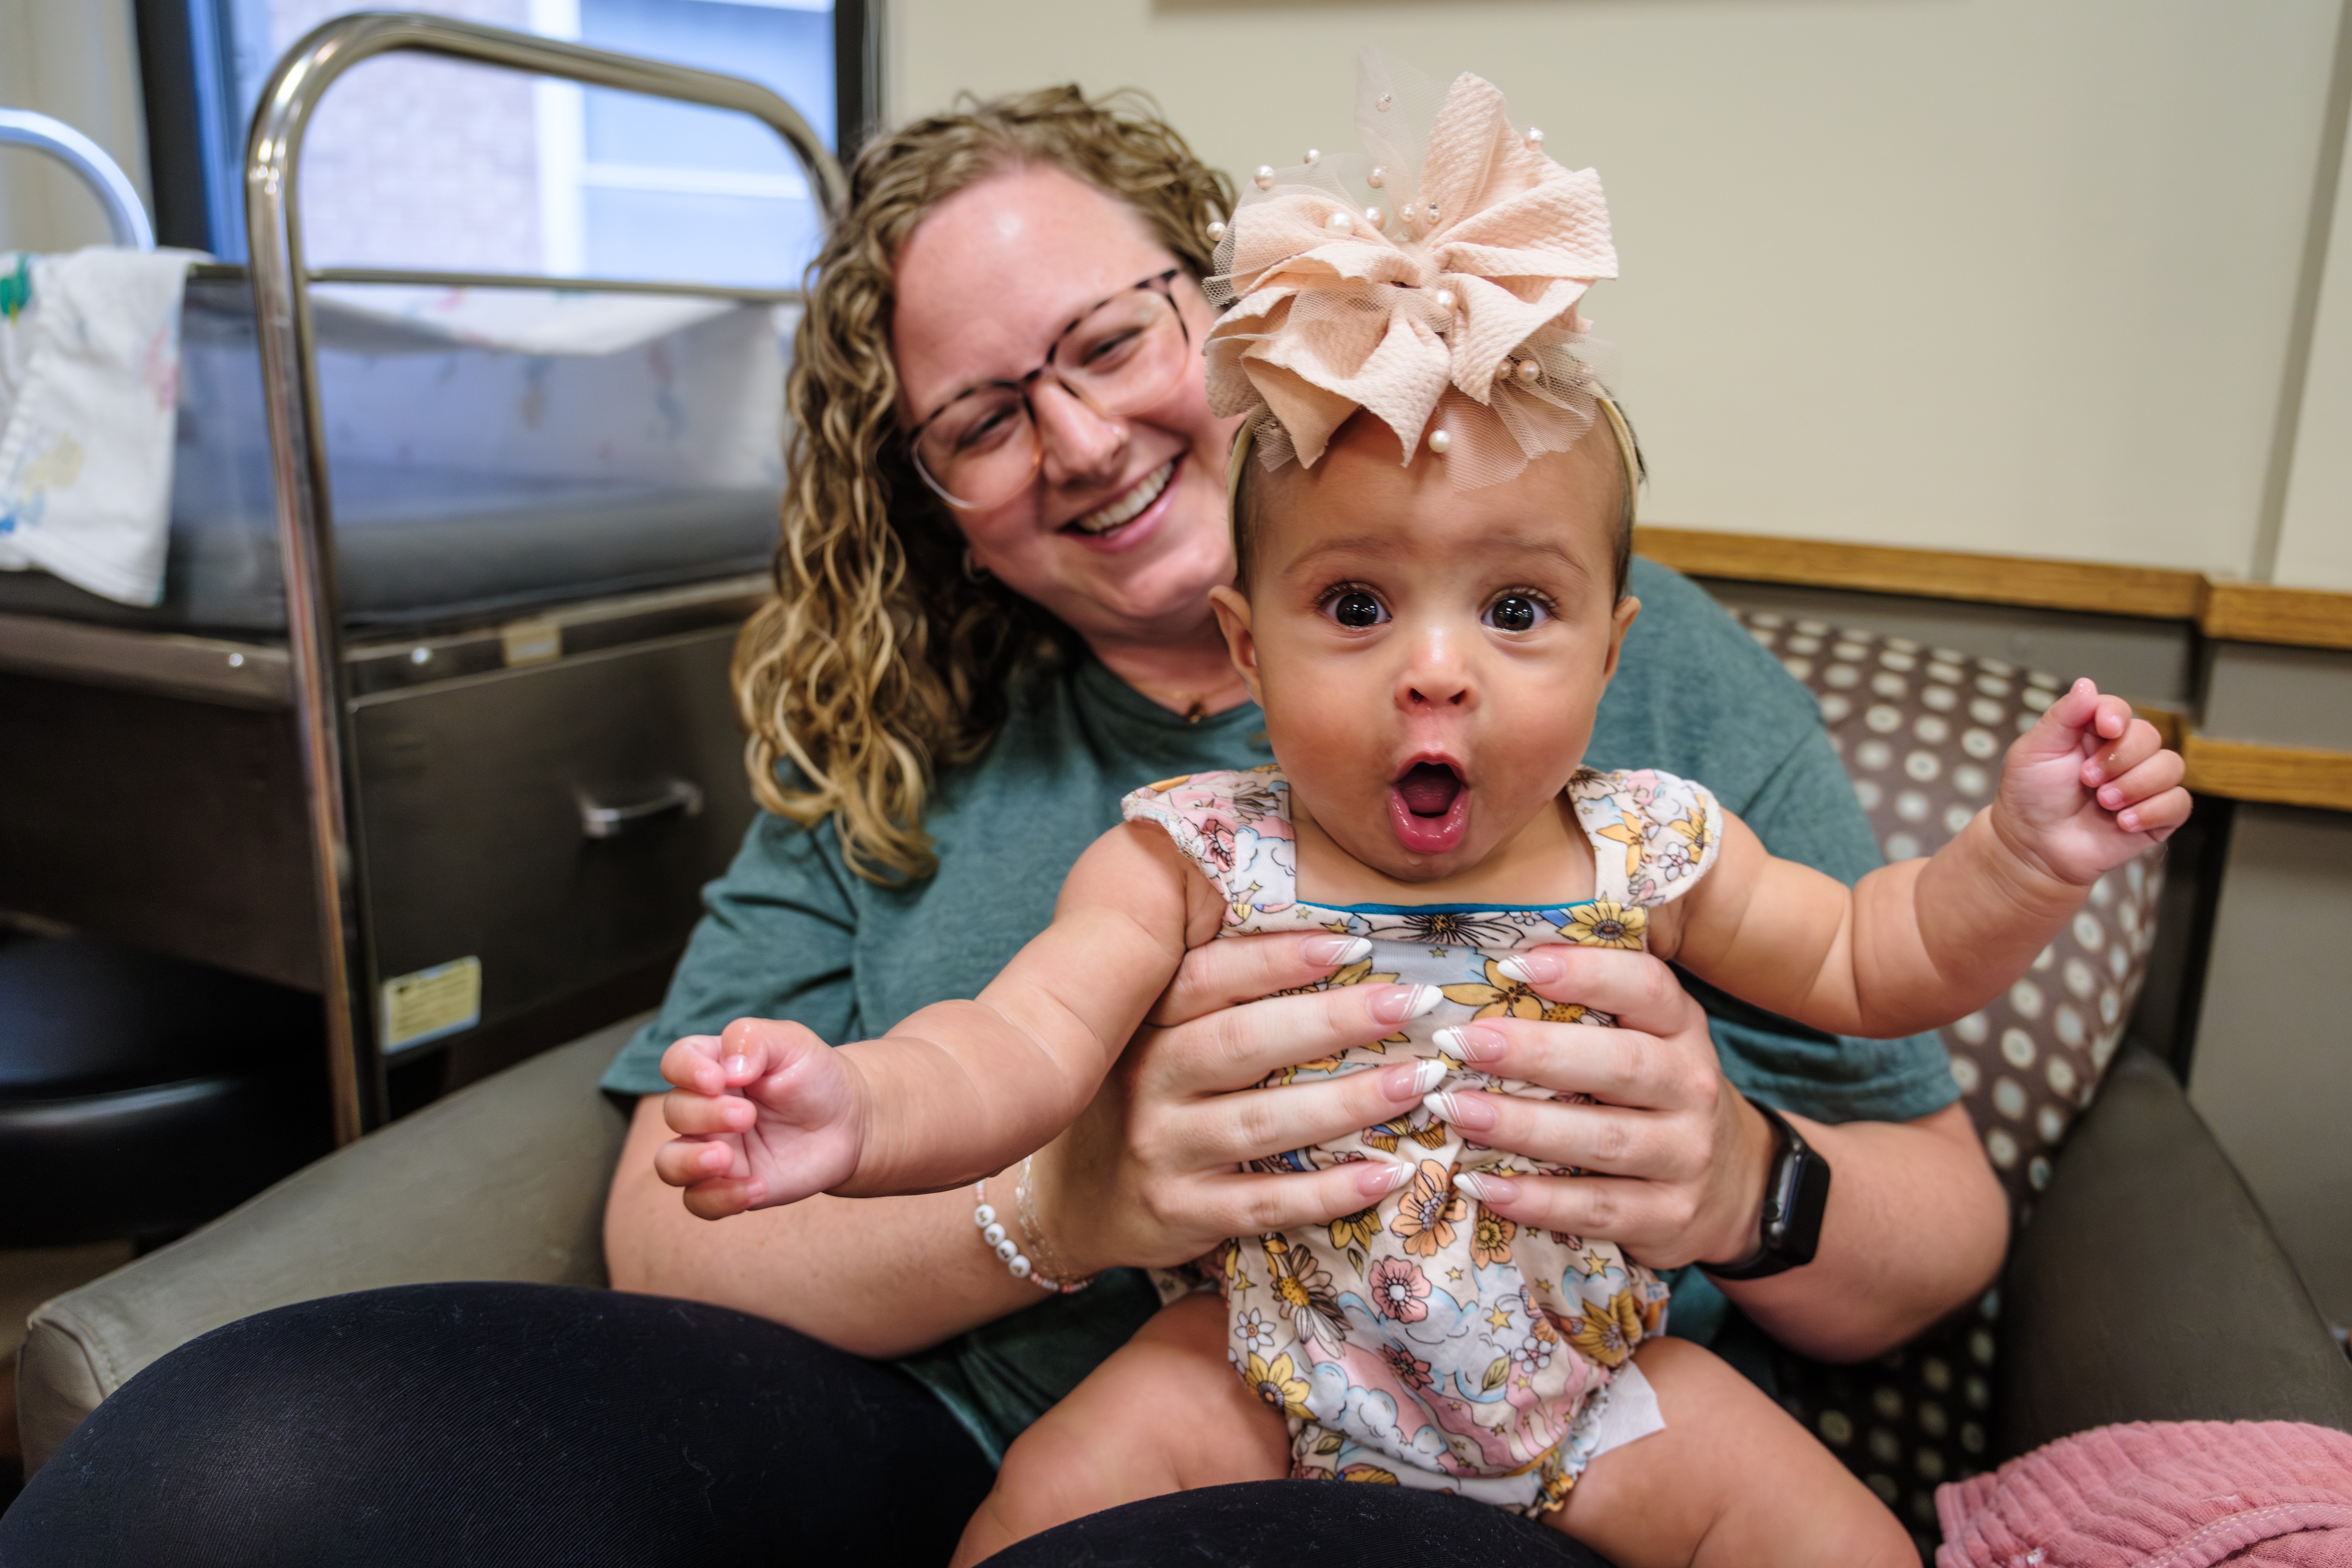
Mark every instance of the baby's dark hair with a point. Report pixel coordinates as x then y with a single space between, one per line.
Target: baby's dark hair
1248 482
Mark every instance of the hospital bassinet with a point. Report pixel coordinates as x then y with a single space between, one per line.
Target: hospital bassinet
433 715
469 477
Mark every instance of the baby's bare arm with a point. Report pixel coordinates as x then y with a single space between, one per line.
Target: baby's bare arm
768 1113
1916 944
961 1088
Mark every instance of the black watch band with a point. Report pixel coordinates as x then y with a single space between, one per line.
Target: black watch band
1796 1192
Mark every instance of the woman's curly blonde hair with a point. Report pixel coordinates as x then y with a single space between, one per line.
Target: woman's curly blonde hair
879 659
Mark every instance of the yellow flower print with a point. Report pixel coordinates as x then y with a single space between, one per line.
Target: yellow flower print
1628 832
1490 1238
1385 1136
1355 1231
1432 1208
1278 1384
1371 1473
1695 833
1604 923
1608 1333
1164 785
1502 996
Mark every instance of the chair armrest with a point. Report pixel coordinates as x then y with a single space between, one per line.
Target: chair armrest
2148 1287
505 1180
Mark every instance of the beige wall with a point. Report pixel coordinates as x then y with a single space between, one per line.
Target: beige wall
2004 275
75 59
2314 543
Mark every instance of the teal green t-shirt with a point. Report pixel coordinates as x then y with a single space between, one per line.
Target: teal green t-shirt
789 932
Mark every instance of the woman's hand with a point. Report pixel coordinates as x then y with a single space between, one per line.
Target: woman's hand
1151 1175
1678 1159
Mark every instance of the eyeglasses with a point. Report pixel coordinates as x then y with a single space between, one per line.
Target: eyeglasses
1118 357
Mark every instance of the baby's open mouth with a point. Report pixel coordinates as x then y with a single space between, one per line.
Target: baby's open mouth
1428 809
1429 788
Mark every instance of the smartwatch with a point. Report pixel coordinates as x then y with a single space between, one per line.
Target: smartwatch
1796 1192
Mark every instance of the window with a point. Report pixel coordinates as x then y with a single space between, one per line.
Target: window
418 161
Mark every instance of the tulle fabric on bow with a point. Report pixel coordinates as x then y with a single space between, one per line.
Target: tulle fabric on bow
1437 290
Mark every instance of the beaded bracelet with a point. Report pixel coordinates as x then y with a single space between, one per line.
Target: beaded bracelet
1024 1201
1000 1241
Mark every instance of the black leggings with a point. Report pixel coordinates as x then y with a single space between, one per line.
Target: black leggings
505 1424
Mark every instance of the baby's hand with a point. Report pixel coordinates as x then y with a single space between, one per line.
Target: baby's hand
2088 787
766 1113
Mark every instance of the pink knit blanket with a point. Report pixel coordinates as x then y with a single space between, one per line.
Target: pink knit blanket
2159 1495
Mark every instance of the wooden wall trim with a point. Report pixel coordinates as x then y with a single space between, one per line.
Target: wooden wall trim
2154 592
2240 612
2281 776
2258 612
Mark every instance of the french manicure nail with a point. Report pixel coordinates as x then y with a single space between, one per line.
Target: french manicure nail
1530 969
1470 1042
1335 951
1460 1111
1402 1004
1406 1083
1487 1188
1378 1181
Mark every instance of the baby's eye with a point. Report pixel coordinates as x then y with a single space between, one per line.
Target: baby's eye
1514 613
1356 609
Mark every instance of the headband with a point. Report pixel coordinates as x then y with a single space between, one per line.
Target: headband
1452 319
1244 441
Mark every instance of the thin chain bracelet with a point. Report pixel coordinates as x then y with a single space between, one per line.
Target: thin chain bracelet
1026 1202
994 1233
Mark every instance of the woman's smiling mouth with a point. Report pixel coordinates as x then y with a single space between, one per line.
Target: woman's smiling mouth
1117 514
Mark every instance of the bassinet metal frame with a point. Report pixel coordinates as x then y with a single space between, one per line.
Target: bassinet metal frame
281 283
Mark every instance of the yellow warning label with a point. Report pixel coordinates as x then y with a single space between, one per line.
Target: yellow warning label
432 1002
531 642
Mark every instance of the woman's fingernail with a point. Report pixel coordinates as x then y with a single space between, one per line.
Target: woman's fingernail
1487 1188
1472 1114
1334 950
1470 1042
1531 968
1379 1180
1405 1083
1402 1004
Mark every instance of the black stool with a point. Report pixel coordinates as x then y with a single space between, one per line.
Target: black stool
141 1094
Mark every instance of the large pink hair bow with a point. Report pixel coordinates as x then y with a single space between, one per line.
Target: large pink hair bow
1453 318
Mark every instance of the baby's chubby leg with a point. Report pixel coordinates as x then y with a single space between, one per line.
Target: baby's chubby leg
1731 1480
1166 1414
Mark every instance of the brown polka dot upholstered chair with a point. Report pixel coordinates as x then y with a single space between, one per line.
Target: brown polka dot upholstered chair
1923 730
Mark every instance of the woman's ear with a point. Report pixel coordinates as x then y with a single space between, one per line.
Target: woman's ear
1620 621
1234 619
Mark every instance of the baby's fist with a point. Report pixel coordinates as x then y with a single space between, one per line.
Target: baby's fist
2088 787
767 1114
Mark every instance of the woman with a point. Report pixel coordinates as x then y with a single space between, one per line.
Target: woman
957 648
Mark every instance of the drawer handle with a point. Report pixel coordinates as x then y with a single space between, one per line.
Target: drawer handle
599 821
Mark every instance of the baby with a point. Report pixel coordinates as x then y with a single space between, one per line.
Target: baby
1429 641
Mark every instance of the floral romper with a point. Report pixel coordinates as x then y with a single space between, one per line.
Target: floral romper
1425 1341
